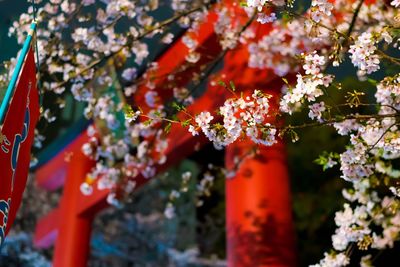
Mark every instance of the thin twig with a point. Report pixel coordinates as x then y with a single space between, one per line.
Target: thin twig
354 19
344 118
380 138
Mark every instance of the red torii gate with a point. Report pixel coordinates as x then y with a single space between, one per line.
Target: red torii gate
259 222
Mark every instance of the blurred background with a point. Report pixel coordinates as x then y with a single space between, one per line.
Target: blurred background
138 234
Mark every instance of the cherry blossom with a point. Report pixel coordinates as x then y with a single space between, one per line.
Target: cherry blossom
363 54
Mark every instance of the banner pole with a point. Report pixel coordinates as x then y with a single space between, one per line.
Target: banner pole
15 75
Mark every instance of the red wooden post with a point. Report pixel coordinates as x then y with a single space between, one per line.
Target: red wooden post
73 240
258 204
258 209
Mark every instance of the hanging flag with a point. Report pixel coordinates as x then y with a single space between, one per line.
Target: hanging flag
19 113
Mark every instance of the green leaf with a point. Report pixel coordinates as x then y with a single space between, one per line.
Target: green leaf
148 122
325 158
174 117
185 123
222 83
127 109
178 107
372 81
167 128
232 86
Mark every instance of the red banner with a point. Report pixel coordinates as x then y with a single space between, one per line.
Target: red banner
16 137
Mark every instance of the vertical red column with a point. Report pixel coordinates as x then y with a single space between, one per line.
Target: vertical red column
73 239
258 209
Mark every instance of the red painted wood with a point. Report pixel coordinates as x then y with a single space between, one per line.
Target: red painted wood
173 63
259 222
52 175
73 237
258 209
47 229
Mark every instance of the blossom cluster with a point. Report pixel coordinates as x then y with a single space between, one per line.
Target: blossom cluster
308 86
363 54
278 49
365 164
320 8
247 115
369 218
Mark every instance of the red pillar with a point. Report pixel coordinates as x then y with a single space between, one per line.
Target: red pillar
73 240
258 209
